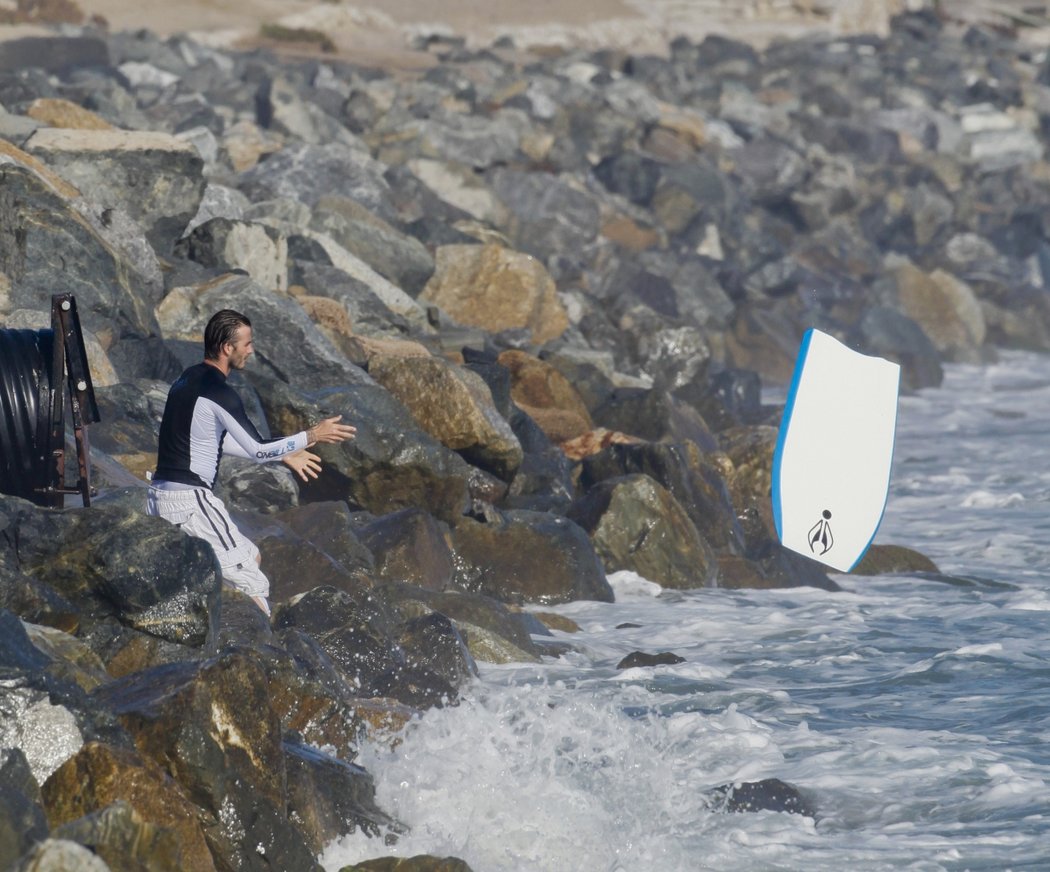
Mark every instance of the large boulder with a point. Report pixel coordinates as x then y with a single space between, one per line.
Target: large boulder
410 546
454 405
528 557
231 244
545 395
23 821
636 524
112 560
496 288
211 726
309 172
47 242
683 470
99 775
402 259
391 464
154 177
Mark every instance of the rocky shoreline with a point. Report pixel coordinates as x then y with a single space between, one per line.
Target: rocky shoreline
546 288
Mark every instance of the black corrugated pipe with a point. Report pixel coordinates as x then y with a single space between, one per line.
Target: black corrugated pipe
25 384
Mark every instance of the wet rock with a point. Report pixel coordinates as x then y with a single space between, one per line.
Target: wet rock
47 731
110 166
140 813
770 794
356 629
766 563
641 659
329 527
636 524
329 798
211 726
35 601
409 546
433 643
680 468
750 478
71 659
493 632
653 415
454 405
23 822
256 488
528 557
419 863
391 464
112 560
891 560
120 836
496 289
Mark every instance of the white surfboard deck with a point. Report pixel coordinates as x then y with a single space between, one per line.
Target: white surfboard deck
831 468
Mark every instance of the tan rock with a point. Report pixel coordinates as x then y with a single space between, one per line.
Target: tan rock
496 289
246 144
629 234
56 112
11 153
595 441
454 406
362 350
559 425
99 775
538 385
946 308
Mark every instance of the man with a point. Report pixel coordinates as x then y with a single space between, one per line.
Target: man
204 418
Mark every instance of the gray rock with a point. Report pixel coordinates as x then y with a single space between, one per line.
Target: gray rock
309 172
636 524
528 557
402 259
288 345
155 178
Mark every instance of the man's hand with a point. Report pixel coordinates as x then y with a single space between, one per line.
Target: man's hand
303 463
329 430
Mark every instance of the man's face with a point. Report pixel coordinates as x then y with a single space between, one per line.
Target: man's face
241 347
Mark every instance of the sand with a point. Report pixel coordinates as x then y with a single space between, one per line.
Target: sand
391 33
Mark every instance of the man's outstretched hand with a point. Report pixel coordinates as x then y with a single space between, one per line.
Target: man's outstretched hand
330 430
303 463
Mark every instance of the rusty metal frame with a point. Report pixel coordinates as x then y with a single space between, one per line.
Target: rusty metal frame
69 372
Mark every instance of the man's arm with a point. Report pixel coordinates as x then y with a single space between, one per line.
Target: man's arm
242 439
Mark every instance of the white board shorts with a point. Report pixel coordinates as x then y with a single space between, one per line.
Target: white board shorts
200 513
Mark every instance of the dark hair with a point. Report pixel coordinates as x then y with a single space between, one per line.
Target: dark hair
221 329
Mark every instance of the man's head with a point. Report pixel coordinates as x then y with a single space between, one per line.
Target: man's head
228 339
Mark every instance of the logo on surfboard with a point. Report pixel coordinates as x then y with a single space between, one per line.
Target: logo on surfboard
820 535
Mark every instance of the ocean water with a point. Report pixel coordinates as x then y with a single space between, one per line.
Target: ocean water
913 711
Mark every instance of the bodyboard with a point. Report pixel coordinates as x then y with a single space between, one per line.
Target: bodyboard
831 467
